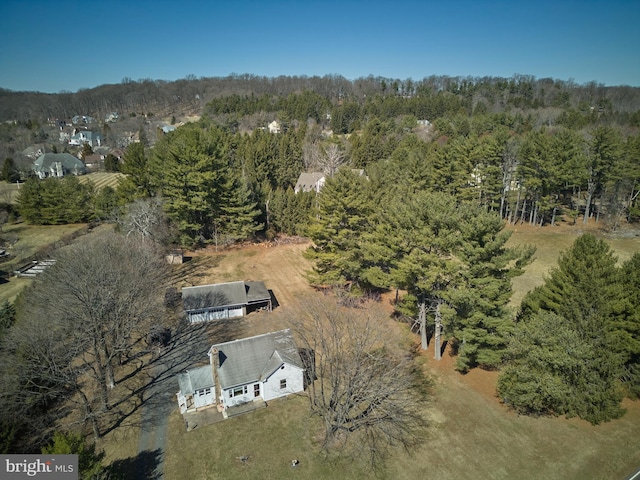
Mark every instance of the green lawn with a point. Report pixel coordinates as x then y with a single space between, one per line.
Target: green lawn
22 242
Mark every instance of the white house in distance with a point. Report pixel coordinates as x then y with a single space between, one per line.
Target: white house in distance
310 182
220 301
274 127
80 138
244 371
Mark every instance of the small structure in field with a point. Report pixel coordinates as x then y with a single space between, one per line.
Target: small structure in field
224 300
174 257
243 374
33 268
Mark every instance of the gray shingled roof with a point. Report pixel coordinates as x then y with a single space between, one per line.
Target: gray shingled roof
68 161
195 379
255 358
224 295
218 295
307 181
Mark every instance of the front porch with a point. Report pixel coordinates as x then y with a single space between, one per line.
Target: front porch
210 415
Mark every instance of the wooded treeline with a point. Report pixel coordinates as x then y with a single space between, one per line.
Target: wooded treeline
191 94
419 207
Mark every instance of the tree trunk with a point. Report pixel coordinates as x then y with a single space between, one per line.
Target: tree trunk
587 208
553 215
524 211
89 414
102 377
422 320
438 326
514 212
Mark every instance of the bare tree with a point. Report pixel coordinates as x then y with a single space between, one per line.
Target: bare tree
145 219
105 294
359 385
331 159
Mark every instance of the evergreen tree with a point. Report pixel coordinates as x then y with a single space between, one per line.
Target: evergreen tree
483 321
89 461
54 201
554 369
628 324
585 300
9 172
135 166
342 216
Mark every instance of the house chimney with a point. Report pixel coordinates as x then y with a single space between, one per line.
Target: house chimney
215 365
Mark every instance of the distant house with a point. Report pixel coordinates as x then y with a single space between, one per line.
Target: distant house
310 182
34 151
79 119
168 128
244 371
58 165
80 138
224 300
274 127
112 117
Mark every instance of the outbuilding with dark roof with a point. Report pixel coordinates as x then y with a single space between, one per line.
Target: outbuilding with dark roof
224 300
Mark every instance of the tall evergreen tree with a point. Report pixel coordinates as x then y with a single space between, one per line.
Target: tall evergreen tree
584 297
343 214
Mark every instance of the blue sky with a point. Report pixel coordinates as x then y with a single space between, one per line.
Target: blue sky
51 46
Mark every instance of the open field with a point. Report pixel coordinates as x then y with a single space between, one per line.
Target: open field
471 435
23 242
551 241
102 179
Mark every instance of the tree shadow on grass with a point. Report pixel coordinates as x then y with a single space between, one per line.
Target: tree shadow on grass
143 466
155 393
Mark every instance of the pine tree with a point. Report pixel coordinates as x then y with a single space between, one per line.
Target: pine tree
483 321
628 324
582 302
342 215
553 368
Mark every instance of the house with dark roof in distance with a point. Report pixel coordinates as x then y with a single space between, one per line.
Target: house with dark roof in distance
220 301
243 374
310 182
58 165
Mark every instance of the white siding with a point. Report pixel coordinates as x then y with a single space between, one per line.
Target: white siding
237 395
294 378
216 314
204 397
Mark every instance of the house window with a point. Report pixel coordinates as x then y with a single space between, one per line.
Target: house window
204 392
238 391
283 384
256 390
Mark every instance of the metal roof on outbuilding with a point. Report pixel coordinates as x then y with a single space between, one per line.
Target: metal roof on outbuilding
221 295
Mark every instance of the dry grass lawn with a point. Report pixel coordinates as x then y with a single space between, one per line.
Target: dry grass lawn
471 435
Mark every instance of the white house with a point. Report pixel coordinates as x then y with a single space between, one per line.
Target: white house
220 301
80 138
310 182
274 127
254 369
